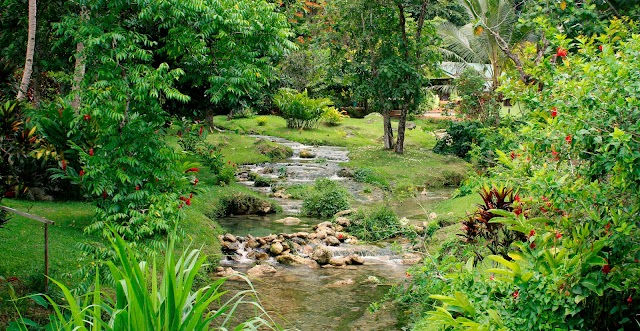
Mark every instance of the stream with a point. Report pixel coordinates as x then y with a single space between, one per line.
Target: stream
326 298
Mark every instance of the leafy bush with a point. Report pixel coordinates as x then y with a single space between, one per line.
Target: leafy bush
476 103
325 199
241 203
376 224
459 139
299 110
497 237
272 150
261 181
146 299
576 170
370 176
262 121
334 117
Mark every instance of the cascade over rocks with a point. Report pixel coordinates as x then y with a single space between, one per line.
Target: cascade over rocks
294 249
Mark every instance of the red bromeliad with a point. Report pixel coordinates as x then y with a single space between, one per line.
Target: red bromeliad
192 170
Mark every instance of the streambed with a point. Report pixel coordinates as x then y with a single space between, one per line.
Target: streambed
325 298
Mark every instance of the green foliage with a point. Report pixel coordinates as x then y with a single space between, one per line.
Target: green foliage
261 181
333 117
23 159
150 298
262 120
242 203
325 199
476 103
576 175
300 111
370 176
272 150
459 139
378 223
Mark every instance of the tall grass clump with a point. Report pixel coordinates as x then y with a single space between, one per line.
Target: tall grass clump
325 199
144 297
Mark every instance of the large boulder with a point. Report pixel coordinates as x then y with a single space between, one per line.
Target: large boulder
343 221
338 261
332 241
289 221
230 246
261 270
355 260
307 154
321 255
229 237
290 259
276 248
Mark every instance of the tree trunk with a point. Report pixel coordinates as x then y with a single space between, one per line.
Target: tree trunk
388 130
401 129
31 45
80 67
78 76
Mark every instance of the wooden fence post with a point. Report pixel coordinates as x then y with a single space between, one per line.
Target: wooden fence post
46 239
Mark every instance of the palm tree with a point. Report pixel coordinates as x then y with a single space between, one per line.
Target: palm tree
31 45
485 39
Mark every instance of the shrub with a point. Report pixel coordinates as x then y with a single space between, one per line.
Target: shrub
458 140
476 103
272 150
261 181
299 110
370 176
241 203
334 117
261 121
146 299
376 224
325 199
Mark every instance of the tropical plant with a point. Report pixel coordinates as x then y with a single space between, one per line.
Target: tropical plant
299 110
145 297
325 199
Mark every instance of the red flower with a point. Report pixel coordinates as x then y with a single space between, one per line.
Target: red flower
513 155
81 173
636 260
517 198
408 275
556 155
492 277
606 269
517 211
137 187
180 207
200 132
192 170
568 139
183 198
532 245
600 48
516 294
195 182
86 117
629 299
190 195
532 233
561 52
558 235
104 194
188 202
554 112
90 151
340 236
64 165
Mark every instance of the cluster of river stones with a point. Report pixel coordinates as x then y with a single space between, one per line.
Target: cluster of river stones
295 249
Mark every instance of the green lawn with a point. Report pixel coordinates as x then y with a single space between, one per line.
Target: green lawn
363 137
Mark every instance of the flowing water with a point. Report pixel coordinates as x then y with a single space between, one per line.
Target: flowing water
324 299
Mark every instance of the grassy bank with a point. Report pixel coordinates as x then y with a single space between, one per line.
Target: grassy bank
363 137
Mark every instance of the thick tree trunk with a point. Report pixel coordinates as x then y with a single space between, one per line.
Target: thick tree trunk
31 45
388 130
401 129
